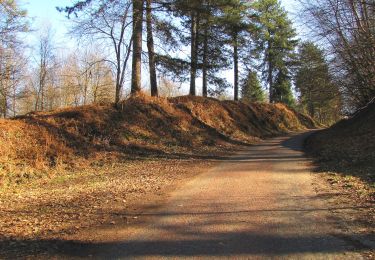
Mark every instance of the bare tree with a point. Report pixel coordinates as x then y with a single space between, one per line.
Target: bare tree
84 80
348 27
108 23
46 62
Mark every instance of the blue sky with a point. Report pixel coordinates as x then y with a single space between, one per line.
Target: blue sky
44 12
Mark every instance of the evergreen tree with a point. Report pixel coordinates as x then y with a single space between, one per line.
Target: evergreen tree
318 95
251 90
151 48
138 7
207 39
213 50
237 25
276 43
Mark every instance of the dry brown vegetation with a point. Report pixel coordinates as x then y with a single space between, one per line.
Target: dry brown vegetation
49 143
346 152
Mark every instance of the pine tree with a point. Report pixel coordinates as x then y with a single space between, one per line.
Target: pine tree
318 95
207 39
251 90
236 23
276 43
137 46
151 49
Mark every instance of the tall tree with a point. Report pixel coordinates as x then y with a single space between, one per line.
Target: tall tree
214 54
276 42
235 14
13 20
318 94
137 46
151 49
46 63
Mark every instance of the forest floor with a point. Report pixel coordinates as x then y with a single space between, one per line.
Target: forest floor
258 201
52 208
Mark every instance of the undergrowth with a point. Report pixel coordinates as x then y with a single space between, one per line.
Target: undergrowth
50 143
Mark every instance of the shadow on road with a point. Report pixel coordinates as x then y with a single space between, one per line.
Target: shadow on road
219 244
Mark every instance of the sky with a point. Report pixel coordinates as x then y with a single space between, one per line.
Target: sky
46 9
44 13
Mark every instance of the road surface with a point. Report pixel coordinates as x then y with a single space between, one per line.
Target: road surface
258 204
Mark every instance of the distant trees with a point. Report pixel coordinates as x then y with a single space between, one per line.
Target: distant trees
214 31
318 94
347 28
84 80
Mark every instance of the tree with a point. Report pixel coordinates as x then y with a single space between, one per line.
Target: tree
276 43
251 90
84 80
13 21
214 51
347 29
318 95
45 62
199 25
235 14
109 24
151 49
137 46
12 72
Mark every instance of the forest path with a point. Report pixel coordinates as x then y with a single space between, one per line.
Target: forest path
260 203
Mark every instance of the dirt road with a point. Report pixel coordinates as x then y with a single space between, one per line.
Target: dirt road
258 204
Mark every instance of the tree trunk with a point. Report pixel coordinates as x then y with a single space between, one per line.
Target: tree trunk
118 76
235 57
194 53
151 50
270 78
137 46
205 60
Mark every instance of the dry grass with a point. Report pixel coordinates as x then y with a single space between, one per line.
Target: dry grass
42 144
